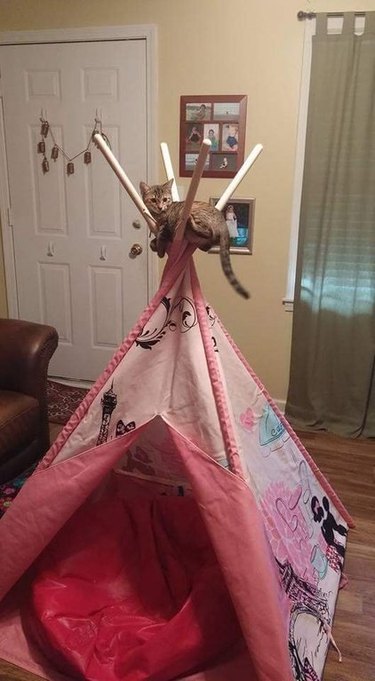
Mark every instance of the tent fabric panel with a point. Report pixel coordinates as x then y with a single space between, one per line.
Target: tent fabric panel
226 502
192 407
128 379
46 501
164 371
175 270
261 427
306 531
152 457
221 399
316 471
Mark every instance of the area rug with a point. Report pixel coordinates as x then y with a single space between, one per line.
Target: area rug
63 400
9 490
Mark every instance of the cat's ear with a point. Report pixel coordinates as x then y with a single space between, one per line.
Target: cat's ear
168 185
144 188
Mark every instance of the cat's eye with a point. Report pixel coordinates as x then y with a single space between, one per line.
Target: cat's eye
153 200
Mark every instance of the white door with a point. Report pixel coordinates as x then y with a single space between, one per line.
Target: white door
73 233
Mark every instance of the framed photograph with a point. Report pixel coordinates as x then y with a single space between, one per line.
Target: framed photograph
222 120
239 216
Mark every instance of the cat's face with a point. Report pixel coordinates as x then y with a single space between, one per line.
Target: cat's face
158 197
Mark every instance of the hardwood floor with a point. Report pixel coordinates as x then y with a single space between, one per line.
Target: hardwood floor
349 466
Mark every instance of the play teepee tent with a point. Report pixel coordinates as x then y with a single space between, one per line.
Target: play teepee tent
177 528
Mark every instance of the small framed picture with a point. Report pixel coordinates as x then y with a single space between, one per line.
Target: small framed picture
239 216
222 120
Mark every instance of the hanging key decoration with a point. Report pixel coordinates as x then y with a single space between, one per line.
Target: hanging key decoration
45 166
46 130
55 152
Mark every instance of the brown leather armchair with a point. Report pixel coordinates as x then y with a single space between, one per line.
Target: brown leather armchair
25 351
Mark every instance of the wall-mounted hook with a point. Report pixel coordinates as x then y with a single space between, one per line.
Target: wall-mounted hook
51 249
103 253
99 119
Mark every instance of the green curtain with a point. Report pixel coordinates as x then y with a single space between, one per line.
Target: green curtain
332 381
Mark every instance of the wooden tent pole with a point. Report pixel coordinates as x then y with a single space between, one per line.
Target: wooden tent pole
197 174
252 157
169 169
125 181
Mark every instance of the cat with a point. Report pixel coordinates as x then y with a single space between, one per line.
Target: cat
205 227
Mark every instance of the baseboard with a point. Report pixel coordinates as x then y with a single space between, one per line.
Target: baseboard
281 404
74 384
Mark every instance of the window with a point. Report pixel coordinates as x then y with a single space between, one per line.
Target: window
335 24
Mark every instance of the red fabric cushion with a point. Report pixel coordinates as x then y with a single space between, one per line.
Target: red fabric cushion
132 591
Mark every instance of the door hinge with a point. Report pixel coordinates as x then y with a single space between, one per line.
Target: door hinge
10 217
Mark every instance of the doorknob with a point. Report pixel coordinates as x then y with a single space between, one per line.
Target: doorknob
136 250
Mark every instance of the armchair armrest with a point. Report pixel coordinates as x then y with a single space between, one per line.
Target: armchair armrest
25 351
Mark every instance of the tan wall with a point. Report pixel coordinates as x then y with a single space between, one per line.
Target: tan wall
248 47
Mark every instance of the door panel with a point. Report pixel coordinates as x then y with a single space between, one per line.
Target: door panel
106 292
54 284
73 234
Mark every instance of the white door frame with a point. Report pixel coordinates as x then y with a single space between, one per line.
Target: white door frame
89 34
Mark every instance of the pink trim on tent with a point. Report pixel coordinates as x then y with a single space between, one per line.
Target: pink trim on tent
322 480
216 382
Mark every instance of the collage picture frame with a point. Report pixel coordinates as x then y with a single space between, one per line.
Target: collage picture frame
222 120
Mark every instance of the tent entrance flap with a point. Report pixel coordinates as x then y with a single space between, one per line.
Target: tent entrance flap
131 589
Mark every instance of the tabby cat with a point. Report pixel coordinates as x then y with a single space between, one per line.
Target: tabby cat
206 226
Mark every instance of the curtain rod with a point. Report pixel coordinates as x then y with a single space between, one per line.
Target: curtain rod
311 15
